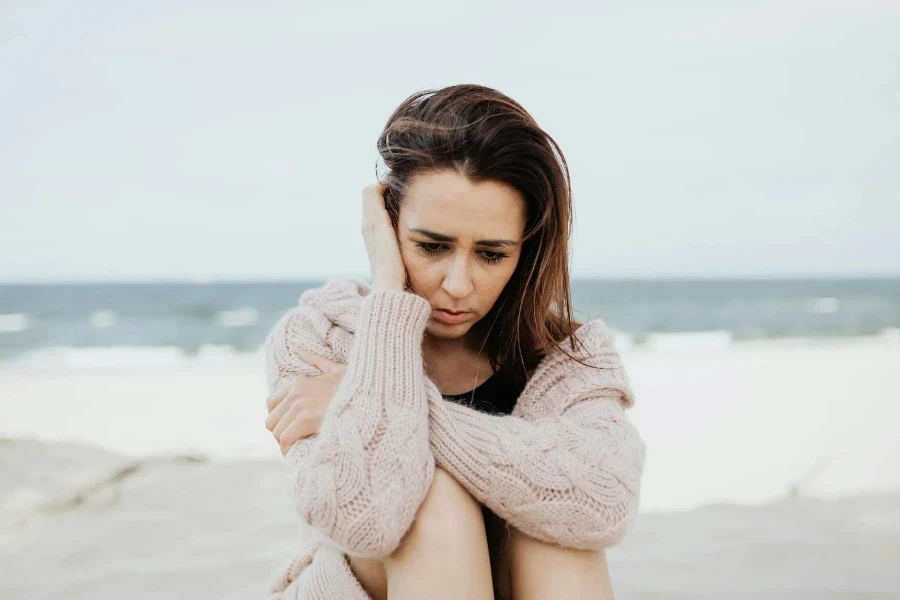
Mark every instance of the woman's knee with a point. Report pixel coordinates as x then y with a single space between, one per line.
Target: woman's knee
447 539
446 491
448 515
537 567
445 552
447 505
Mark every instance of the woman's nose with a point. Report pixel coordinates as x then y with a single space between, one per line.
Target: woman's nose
458 282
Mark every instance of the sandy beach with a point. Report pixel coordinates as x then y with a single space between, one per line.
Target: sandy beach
773 472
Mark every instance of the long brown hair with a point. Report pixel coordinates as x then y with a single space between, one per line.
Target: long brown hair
484 135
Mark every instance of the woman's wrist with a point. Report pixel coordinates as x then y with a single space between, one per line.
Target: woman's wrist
387 288
392 284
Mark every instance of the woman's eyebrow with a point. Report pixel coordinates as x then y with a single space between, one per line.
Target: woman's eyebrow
440 237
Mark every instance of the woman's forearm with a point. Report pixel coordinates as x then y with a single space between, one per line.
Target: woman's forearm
362 480
571 480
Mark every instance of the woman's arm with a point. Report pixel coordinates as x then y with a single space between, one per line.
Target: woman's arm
363 478
572 480
566 469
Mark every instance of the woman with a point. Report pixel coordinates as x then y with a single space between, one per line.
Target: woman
450 430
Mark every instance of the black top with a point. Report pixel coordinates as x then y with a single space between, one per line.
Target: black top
496 395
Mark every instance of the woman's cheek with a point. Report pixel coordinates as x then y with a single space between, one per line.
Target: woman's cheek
417 269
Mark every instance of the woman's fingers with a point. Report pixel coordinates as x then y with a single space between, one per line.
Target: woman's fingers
276 414
276 398
286 420
297 430
385 260
320 362
373 199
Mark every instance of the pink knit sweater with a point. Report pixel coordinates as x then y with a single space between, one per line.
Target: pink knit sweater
565 467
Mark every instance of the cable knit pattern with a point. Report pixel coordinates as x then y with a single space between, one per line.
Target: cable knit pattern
564 467
361 481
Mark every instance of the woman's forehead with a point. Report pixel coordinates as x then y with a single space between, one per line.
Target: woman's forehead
450 203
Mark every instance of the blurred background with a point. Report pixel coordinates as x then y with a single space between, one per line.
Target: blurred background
173 175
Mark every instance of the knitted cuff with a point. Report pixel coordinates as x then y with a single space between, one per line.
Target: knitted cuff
386 357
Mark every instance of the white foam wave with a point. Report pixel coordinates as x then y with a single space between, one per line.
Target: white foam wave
15 322
240 317
824 306
690 340
103 318
132 356
106 356
224 355
891 334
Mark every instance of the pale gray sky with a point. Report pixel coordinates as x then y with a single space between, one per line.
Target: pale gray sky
231 139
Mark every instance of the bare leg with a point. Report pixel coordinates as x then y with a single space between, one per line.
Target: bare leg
371 576
539 571
443 555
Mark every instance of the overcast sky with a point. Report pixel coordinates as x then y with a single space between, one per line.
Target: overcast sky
184 140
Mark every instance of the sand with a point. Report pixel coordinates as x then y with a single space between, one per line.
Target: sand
773 472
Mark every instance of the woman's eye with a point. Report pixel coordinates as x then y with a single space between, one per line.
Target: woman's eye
486 255
431 248
493 257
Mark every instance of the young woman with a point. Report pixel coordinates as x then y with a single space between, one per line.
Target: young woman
450 430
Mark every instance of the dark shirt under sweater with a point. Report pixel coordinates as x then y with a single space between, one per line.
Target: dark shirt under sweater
495 395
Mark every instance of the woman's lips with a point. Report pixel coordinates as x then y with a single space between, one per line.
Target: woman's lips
451 318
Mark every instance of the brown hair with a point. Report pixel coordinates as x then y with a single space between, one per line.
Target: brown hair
483 135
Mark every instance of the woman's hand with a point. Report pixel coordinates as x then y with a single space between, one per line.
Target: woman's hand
296 411
387 268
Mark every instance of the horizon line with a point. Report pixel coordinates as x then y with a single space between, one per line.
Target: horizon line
322 278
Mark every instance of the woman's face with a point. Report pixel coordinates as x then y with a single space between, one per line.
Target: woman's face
461 243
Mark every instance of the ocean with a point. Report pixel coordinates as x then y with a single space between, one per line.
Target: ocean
108 323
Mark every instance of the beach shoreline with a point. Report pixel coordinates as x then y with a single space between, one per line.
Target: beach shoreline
745 424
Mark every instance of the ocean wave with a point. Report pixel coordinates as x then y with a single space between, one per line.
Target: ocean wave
122 356
132 356
824 306
690 340
240 317
13 323
103 318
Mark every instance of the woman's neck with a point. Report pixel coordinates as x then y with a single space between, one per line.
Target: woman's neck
455 365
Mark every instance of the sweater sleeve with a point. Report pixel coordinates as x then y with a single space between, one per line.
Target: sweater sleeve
565 468
362 479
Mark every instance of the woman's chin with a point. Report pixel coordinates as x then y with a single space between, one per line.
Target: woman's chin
447 330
